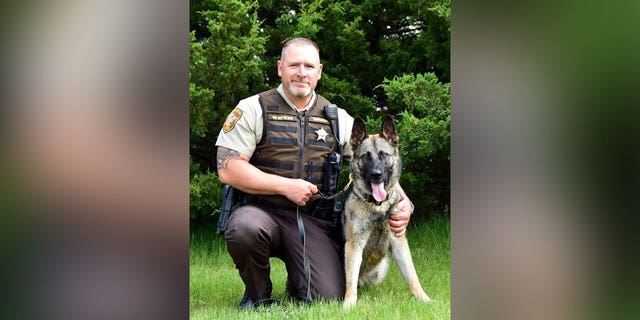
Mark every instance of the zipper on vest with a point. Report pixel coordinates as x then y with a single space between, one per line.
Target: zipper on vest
302 140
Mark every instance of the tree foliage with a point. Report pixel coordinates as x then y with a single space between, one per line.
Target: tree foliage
226 65
423 105
401 46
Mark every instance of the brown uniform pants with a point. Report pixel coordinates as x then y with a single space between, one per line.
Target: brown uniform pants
254 234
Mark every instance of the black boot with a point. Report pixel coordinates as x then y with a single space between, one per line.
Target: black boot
264 300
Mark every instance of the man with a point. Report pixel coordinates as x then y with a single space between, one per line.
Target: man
273 147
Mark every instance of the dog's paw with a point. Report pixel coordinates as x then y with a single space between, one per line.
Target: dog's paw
424 297
420 294
349 303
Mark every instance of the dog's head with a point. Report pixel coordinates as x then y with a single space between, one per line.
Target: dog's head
376 164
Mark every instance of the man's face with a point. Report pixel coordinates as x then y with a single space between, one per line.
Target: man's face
300 70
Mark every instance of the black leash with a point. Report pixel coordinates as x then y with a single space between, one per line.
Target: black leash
305 259
321 195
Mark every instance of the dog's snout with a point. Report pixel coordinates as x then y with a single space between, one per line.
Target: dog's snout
376 173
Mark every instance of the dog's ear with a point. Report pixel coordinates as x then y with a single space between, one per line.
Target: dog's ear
388 130
358 133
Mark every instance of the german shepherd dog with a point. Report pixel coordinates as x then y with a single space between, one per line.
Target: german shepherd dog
375 170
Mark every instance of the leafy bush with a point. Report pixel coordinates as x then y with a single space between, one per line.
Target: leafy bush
205 193
226 65
422 109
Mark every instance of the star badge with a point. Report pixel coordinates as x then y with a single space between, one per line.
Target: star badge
322 135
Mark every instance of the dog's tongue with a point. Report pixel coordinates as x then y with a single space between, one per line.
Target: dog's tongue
378 191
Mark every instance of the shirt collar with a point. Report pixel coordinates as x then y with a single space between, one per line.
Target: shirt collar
280 90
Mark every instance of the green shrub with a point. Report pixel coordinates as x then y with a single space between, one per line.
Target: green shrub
205 194
422 109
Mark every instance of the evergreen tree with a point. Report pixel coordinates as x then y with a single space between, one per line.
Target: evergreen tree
367 45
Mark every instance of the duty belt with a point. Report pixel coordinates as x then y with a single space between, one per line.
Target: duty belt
308 210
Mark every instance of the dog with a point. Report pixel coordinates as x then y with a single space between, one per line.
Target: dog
375 171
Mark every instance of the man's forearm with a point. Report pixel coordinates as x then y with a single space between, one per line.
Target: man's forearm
234 169
404 195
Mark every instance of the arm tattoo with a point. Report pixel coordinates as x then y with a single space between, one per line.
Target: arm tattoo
224 155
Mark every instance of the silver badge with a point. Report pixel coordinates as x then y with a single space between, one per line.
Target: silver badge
322 135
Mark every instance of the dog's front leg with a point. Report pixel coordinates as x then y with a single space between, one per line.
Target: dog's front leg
402 256
353 259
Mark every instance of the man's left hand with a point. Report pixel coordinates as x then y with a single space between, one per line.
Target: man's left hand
400 217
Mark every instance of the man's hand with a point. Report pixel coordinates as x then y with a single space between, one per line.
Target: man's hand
300 191
399 219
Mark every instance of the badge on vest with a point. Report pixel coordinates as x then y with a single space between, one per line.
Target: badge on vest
322 134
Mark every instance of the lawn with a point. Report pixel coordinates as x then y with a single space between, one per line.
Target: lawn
216 288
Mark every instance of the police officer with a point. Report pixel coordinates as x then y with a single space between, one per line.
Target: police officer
273 147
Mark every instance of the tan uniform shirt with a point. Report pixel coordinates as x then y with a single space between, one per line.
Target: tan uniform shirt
243 128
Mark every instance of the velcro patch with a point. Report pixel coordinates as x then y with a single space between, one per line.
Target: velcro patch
318 120
282 117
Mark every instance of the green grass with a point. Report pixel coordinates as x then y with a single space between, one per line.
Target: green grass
216 288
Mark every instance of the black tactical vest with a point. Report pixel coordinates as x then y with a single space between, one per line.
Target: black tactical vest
293 144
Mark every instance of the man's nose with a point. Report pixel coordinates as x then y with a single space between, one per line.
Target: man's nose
302 70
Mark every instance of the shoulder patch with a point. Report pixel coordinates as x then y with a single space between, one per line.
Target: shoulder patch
232 119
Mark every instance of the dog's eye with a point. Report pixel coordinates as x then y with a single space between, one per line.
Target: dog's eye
382 155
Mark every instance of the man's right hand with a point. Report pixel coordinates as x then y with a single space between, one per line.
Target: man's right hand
300 191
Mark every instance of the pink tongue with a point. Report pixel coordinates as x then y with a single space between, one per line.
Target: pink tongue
378 191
